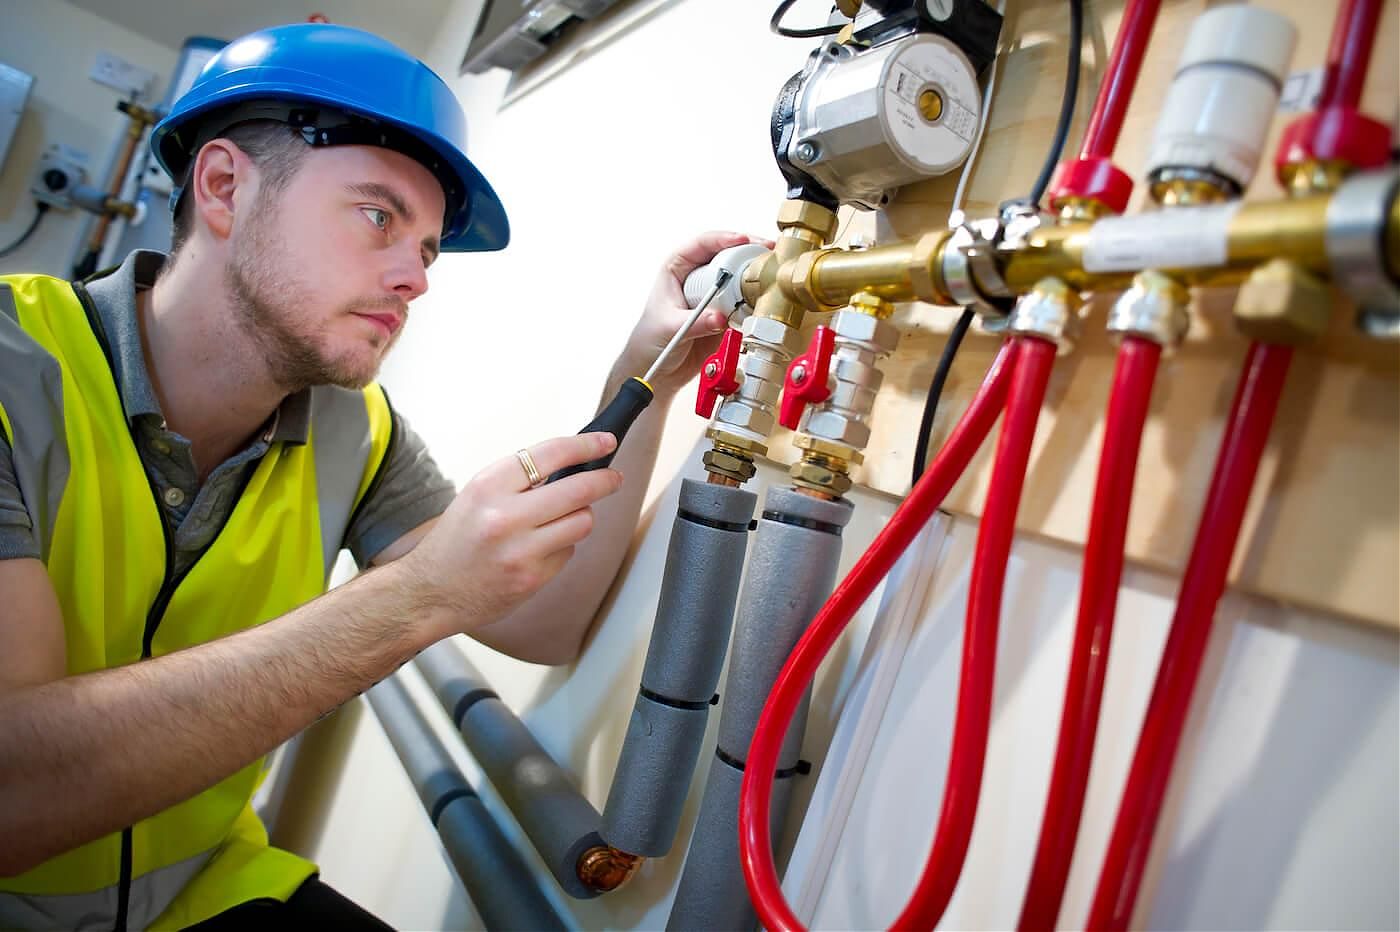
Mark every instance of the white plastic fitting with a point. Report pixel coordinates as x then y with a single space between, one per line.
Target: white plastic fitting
699 282
1217 113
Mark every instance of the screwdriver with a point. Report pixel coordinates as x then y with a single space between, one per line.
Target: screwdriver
635 394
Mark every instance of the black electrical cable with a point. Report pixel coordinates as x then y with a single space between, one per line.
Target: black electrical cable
40 208
1052 158
935 389
1067 100
776 24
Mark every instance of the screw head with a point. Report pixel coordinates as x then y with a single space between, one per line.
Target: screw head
711 370
806 152
799 374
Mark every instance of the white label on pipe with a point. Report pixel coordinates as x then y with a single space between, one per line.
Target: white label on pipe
1175 238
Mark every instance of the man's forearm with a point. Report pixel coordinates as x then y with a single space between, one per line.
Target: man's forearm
88 755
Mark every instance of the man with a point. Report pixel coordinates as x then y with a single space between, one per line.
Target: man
187 442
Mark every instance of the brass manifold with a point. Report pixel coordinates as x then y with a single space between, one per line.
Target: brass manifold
1261 240
824 279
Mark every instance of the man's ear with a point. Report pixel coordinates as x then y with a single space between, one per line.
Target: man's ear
223 176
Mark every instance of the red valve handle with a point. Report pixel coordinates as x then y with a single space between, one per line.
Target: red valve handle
806 378
717 374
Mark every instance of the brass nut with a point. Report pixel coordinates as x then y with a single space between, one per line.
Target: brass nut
735 444
871 305
1187 192
862 328
1154 308
807 216
1074 209
827 448
773 332
848 8
729 465
1050 312
758 276
1281 303
838 428
1313 176
796 284
817 474
926 268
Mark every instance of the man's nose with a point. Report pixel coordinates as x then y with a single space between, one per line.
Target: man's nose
407 277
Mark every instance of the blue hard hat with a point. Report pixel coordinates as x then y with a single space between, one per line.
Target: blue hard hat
340 85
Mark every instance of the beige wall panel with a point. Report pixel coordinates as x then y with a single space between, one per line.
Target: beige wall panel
1322 526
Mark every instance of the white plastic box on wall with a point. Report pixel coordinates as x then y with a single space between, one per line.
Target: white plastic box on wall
14 95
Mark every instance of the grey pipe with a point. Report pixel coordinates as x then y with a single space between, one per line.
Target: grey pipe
796 552
555 816
494 874
689 639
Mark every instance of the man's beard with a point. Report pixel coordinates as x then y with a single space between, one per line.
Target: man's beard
264 303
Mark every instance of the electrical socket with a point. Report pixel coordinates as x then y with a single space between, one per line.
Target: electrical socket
119 74
61 169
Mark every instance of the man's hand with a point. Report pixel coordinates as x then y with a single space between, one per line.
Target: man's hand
500 540
666 310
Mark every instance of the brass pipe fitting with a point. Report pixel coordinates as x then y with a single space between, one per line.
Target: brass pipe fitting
1079 209
741 425
1154 308
827 279
1255 234
871 305
728 465
1189 192
1295 229
1050 312
836 429
1313 176
803 227
1281 303
821 474
604 868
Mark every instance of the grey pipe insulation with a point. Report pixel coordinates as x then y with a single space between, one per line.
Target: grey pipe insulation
689 641
495 875
796 552
559 821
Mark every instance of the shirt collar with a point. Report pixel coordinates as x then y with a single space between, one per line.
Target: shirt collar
114 298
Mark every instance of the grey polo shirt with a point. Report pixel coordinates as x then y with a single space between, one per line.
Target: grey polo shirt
411 489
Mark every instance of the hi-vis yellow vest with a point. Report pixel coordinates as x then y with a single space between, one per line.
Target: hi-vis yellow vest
107 551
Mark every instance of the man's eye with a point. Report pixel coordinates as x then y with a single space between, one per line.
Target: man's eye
380 218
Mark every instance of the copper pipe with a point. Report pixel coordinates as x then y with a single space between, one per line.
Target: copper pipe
604 868
137 119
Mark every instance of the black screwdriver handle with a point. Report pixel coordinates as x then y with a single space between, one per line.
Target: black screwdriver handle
627 405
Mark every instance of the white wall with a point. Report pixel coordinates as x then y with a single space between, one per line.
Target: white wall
57 43
1284 810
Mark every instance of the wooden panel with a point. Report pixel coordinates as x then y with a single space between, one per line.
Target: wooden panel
1322 526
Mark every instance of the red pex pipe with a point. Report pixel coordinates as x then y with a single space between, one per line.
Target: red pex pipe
1349 55
1246 432
756 848
1098 599
1124 64
963 786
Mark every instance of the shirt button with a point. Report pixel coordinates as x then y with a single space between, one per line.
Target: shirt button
174 497
161 447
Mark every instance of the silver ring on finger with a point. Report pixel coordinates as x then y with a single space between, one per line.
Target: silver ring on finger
532 472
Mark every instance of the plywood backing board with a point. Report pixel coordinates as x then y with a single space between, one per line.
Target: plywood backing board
1323 527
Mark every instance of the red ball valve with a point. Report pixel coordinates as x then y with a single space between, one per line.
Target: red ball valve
806 378
717 375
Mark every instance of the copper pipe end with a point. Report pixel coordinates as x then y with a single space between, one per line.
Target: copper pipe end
605 868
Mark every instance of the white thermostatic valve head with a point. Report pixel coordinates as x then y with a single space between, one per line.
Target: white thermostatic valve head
729 298
869 122
1223 97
